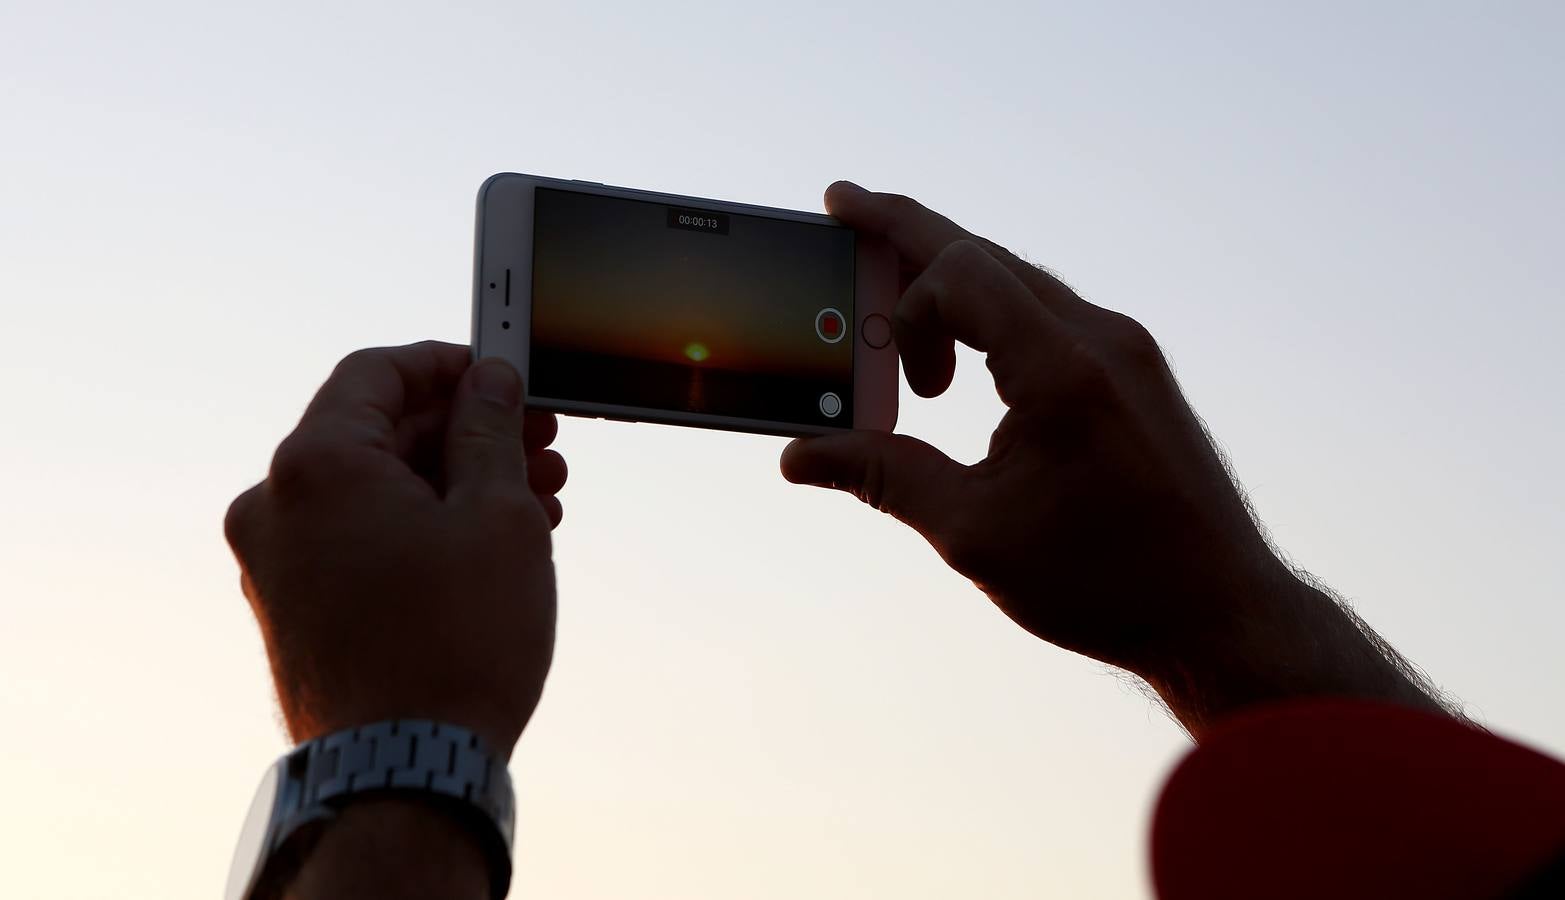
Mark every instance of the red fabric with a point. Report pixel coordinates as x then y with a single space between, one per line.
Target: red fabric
1348 799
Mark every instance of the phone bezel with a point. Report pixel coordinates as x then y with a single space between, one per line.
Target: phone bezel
503 248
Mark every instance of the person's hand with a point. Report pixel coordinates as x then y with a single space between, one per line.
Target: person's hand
1102 519
397 556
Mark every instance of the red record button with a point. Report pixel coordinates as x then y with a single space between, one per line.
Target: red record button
830 326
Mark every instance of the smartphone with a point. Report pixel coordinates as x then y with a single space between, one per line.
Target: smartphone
626 304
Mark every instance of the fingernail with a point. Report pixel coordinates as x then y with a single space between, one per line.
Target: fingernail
849 187
496 380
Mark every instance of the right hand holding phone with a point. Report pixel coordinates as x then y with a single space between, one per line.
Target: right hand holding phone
1102 518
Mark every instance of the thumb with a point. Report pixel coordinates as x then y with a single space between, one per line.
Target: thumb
894 473
484 452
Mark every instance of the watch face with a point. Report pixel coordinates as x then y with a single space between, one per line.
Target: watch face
251 852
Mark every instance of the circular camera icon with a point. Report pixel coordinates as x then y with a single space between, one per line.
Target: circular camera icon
830 326
831 405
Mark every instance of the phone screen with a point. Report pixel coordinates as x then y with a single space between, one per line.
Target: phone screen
658 307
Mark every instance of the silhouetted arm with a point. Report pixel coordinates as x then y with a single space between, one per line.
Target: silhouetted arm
1103 518
1300 642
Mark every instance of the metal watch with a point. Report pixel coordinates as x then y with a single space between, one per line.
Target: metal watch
446 765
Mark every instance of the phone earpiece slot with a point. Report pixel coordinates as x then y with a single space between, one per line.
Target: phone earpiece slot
507 287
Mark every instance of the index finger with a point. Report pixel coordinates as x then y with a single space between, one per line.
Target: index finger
966 295
920 234
371 390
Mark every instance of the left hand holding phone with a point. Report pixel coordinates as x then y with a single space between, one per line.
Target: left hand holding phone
398 560
397 556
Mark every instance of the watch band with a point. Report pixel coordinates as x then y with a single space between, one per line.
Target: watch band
430 761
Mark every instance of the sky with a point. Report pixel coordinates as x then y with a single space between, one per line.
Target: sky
1342 221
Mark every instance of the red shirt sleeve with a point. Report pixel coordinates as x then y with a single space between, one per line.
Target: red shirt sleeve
1348 799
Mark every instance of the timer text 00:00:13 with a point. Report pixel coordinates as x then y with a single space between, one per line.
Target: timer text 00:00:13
689 220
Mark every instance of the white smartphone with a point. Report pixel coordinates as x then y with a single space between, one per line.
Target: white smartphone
626 304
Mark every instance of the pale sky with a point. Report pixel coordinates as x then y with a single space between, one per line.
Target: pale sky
1343 221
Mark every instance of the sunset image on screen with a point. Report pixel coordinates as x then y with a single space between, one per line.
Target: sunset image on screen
645 305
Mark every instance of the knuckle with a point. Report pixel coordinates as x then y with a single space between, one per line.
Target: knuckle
361 356
291 464
490 441
302 460
239 521
367 359
909 315
964 255
1132 341
961 265
518 512
1088 379
871 488
954 266
487 423
901 205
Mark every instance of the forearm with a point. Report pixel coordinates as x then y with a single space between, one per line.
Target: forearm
390 849
1295 641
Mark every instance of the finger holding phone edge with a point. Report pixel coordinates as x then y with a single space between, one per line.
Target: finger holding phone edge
919 234
967 295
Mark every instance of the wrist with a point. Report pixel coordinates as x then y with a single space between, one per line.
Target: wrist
1240 658
394 847
1283 639
499 728
320 790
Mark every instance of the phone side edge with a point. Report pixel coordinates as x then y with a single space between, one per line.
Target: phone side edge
503 256
475 334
